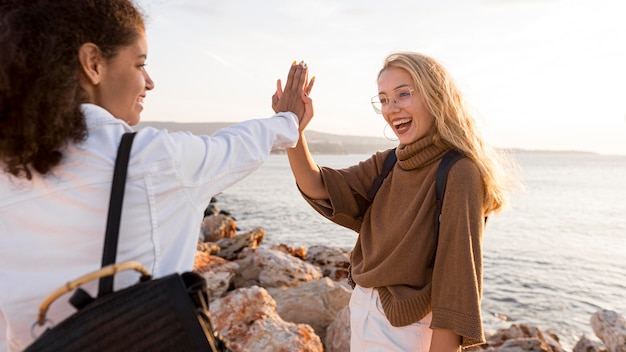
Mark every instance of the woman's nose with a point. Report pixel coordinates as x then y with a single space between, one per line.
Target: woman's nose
149 82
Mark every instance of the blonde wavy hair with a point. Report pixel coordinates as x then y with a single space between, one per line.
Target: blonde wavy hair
455 125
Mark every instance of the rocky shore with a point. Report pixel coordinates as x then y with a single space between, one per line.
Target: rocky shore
282 298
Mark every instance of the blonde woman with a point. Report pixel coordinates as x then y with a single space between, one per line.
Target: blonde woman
401 300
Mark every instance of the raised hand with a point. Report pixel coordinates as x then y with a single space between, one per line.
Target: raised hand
285 100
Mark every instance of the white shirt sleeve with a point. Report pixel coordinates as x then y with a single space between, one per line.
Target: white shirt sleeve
211 164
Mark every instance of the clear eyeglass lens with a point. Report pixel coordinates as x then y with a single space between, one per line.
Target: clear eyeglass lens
401 98
377 105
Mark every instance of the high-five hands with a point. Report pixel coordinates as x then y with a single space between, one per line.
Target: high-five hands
295 96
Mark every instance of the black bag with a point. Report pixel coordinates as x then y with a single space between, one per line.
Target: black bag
165 314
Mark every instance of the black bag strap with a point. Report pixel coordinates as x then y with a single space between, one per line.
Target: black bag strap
446 163
115 210
390 160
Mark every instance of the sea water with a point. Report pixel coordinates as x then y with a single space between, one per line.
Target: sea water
555 256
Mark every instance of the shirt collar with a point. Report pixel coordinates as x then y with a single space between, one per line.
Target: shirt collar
96 115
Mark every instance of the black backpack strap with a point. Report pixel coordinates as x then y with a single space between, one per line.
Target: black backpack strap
440 187
390 160
115 210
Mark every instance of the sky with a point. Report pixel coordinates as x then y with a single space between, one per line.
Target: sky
543 74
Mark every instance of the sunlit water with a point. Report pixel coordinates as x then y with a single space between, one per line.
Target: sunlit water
552 259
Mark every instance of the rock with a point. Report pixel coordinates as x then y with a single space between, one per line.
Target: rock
215 227
247 318
298 252
208 247
274 268
231 247
249 271
586 345
524 345
338 332
218 283
520 336
315 303
334 262
201 260
217 272
610 327
211 209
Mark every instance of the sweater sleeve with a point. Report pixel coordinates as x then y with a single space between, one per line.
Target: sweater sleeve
457 274
347 189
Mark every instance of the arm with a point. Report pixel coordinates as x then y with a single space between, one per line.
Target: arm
304 168
206 165
457 275
445 340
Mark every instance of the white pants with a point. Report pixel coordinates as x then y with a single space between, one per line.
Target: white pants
372 332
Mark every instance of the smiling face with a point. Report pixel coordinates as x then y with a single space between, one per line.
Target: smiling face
124 82
411 122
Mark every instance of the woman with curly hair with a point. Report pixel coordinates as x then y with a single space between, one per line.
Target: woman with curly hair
412 290
72 82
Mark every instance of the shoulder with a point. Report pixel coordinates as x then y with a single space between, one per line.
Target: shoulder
465 166
154 146
363 172
371 166
464 186
384 156
464 171
164 138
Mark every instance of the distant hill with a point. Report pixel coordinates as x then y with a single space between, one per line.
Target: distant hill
319 142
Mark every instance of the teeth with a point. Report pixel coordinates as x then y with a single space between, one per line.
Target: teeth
399 122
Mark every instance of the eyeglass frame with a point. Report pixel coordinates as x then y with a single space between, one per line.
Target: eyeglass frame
395 100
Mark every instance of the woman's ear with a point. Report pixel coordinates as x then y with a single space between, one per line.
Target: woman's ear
91 62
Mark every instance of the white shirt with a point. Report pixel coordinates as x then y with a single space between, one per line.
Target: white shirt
52 228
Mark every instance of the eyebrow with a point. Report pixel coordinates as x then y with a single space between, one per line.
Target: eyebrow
396 88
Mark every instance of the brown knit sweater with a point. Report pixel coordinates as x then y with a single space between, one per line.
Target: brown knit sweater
396 236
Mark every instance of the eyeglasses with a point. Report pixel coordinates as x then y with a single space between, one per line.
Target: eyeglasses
401 98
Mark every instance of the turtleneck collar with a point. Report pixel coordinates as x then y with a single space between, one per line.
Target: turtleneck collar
419 153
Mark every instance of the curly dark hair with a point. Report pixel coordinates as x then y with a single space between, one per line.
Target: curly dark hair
40 92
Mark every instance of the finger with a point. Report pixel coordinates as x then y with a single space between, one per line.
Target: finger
291 75
297 83
303 78
309 86
308 116
279 89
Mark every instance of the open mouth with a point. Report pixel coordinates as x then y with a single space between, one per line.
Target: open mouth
402 125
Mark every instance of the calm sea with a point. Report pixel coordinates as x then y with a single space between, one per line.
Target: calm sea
555 256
